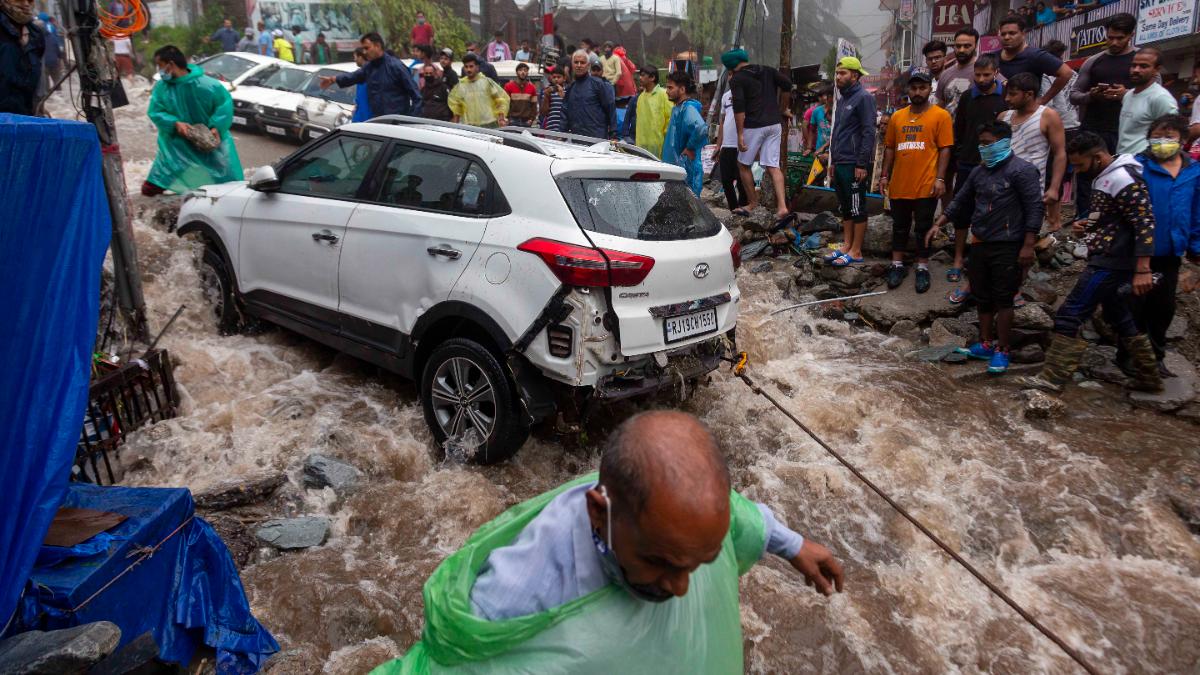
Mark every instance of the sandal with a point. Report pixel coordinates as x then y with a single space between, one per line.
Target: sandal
844 260
954 275
830 257
1019 301
957 296
741 211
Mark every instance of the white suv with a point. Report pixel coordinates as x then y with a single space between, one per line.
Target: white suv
511 273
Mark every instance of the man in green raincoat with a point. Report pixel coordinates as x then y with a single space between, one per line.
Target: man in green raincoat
186 97
632 571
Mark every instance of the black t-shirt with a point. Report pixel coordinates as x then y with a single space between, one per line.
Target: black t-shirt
1030 60
1107 69
755 92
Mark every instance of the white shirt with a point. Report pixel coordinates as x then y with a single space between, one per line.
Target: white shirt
1195 112
123 46
729 124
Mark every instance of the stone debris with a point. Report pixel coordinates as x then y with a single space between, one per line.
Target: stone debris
253 488
70 650
1177 391
1033 317
294 533
1031 353
322 471
906 329
1041 406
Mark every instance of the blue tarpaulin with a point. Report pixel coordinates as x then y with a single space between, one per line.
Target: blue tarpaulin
54 231
163 570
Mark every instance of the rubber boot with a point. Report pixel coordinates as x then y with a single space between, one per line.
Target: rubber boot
1146 375
1062 359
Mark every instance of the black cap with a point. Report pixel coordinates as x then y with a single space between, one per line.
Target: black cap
920 74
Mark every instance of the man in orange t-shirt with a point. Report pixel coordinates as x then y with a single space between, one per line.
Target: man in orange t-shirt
917 149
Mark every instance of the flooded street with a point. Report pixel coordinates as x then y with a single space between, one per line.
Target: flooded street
1067 516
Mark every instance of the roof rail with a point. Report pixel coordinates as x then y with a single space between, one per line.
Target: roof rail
590 141
507 139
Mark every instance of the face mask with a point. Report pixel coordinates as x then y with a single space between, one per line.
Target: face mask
612 568
1164 148
21 13
164 75
420 22
997 152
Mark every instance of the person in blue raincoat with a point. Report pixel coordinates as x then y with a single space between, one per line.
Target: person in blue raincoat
687 134
184 98
362 107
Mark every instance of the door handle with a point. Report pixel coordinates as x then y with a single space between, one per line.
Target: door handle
446 251
325 235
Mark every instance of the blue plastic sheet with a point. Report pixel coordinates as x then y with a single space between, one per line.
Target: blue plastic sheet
54 231
186 592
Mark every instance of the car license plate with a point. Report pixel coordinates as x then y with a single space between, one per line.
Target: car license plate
278 131
239 120
676 328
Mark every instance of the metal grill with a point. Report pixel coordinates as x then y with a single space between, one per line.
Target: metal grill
138 393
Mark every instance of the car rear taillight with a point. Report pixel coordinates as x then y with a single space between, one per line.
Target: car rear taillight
735 250
594 267
644 176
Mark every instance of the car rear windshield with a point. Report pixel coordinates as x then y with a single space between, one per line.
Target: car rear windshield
226 66
647 210
333 93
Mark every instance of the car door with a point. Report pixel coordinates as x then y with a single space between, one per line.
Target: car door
292 237
405 251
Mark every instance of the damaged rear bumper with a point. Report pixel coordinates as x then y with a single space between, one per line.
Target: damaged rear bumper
681 366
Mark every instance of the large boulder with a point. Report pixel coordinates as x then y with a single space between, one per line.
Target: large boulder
70 650
904 303
1033 317
850 277
878 240
942 333
252 488
906 330
1177 391
294 533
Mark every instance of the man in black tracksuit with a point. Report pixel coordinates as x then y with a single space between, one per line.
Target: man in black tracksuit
852 150
1120 244
1000 202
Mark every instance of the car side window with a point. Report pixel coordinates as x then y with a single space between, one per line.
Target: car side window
333 169
427 179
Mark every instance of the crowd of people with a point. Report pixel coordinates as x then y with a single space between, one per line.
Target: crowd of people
994 140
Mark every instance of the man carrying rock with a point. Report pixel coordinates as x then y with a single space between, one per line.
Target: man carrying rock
635 570
1001 203
1120 244
916 152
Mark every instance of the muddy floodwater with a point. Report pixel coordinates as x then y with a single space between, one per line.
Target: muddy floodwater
1067 516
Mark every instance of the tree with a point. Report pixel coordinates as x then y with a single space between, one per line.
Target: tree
394 20
709 24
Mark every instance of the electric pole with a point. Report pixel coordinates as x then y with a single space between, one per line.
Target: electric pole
785 66
642 30
97 77
734 41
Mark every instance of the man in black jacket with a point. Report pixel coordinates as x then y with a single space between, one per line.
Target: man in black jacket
977 106
22 45
1120 244
1001 203
390 88
434 95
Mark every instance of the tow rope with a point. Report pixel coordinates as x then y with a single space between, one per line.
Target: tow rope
739 369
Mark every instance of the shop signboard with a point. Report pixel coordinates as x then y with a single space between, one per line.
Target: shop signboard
951 15
1088 39
1160 20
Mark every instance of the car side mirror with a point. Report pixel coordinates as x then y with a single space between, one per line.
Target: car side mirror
264 179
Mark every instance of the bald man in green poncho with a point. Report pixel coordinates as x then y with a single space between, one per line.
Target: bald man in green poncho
634 570
183 98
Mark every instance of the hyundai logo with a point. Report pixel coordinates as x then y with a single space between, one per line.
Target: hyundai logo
700 271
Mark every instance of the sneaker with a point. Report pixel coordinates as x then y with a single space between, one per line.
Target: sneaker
998 365
895 275
922 280
980 350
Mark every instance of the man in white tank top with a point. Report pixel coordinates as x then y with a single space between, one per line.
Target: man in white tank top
1038 138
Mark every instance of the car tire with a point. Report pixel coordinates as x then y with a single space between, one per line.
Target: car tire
216 284
462 369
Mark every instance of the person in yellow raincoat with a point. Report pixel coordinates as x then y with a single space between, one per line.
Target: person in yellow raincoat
653 112
283 46
185 96
633 570
476 99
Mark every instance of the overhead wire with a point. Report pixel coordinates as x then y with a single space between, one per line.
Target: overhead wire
124 25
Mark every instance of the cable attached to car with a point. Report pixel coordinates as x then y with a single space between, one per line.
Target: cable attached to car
739 364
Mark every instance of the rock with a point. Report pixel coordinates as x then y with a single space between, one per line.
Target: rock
878 240
237 537
897 344
850 316
754 249
1028 354
1019 337
940 335
137 656
1178 327
934 354
1040 291
1097 363
724 215
70 650
1045 243
1190 412
955 357
1064 258
1080 251
823 292
294 533
1177 391
1040 406
1033 317
877 269
1184 496
760 267
321 471
851 276
901 303
806 277
905 329
252 488
1038 276
943 257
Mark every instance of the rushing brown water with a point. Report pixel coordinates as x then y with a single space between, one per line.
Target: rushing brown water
1066 516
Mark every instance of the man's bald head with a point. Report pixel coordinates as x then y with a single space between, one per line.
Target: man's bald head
663 450
662 500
